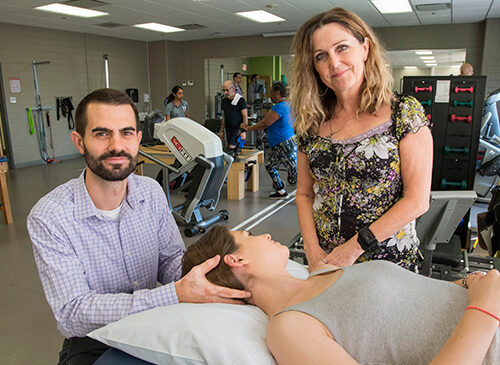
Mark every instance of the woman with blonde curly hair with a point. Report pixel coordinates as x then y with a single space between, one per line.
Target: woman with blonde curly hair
365 156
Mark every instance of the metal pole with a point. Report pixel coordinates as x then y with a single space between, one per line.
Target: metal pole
221 76
39 113
37 87
106 69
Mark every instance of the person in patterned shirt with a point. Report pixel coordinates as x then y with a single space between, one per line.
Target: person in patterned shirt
365 157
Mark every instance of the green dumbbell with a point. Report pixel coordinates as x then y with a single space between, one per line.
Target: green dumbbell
448 150
456 103
453 184
426 102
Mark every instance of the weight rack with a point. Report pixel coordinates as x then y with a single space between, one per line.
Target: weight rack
453 105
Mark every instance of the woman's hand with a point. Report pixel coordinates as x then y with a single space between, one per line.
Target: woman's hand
346 254
484 291
315 258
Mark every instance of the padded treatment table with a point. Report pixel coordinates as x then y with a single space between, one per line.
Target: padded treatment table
235 177
117 357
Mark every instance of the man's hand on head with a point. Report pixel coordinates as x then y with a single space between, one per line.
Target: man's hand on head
195 288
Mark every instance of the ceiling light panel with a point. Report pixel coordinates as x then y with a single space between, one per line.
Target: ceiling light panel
159 27
427 57
260 16
392 6
423 52
70 10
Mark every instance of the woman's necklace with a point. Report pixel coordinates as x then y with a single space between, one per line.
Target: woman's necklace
338 130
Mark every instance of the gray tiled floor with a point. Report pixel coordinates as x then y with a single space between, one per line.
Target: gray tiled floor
27 327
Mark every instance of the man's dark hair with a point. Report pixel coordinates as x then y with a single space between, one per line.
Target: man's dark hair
235 75
278 86
102 96
253 77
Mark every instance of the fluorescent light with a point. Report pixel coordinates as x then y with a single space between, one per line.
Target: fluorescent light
429 61
427 57
423 53
159 27
260 16
411 67
70 10
392 6
431 64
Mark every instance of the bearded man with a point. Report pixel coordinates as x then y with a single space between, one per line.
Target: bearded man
104 240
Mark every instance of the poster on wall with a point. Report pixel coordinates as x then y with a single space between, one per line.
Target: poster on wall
15 85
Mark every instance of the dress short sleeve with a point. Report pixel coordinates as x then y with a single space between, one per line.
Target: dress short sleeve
408 116
302 143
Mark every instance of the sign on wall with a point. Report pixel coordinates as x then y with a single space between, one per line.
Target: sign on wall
15 85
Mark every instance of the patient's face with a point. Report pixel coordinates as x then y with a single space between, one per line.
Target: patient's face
261 247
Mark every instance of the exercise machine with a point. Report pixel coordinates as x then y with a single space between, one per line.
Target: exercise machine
199 170
489 145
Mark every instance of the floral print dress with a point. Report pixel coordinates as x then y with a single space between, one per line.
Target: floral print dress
357 180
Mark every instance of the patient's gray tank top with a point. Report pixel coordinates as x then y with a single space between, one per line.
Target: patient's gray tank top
381 313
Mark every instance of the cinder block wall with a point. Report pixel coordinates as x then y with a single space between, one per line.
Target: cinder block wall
76 68
491 57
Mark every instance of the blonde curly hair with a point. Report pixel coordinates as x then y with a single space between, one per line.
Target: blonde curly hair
311 105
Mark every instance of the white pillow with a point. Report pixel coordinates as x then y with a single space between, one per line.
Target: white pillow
189 333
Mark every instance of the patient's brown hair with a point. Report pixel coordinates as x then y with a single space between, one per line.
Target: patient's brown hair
217 241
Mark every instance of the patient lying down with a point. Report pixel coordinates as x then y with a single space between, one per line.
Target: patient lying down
373 312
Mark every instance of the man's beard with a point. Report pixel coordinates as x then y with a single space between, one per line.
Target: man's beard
117 172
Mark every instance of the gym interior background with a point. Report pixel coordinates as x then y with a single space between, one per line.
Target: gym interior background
153 63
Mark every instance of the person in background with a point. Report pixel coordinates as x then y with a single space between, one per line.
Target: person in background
370 313
365 156
252 89
236 82
175 105
102 241
278 124
466 70
234 115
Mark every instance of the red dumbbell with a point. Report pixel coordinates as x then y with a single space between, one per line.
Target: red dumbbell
467 119
464 89
429 117
429 89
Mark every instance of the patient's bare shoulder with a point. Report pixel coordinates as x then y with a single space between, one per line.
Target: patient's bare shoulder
295 322
297 338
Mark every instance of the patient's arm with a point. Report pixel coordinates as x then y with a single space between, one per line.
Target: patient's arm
297 338
471 339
